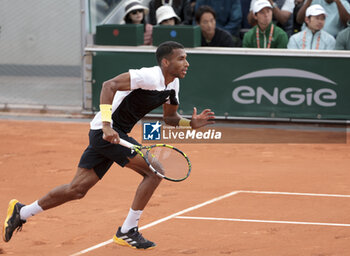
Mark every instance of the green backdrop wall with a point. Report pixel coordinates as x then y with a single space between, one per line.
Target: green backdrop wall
246 85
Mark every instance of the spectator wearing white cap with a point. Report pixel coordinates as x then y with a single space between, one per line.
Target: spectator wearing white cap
338 12
167 16
265 34
282 13
135 13
313 37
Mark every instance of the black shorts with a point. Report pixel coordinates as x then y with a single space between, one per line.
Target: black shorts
100 154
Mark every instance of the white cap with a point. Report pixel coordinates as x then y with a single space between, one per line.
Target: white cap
166 12
315 10
133 5
260 4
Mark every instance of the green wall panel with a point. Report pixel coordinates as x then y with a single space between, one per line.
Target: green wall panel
247 85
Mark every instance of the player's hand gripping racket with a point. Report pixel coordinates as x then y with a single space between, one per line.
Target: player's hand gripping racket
164 160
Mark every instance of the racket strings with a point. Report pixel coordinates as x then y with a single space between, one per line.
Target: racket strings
168 162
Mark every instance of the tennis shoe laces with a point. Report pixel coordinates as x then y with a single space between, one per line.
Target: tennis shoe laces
133 238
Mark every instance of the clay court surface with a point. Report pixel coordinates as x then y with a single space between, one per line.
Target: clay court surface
307 213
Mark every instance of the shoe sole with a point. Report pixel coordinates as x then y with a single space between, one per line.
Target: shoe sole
10 210
122 242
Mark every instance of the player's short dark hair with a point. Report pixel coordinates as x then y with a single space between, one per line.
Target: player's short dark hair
203 9
165 49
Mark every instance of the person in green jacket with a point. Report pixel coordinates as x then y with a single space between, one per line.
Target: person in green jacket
265 34
343 39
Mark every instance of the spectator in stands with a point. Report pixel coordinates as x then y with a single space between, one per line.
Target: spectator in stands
245 6
182 9
265 34
229 16
343 39
166 16
282 14
135 13
337 11
211 35
296 25
313 37
245 26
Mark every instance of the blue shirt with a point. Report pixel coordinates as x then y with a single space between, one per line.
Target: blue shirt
333 23
324 39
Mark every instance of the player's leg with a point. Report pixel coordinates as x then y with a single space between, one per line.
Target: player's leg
77 189
148 184
17 213
128 233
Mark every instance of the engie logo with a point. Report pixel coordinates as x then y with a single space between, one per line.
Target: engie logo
151 131
292 96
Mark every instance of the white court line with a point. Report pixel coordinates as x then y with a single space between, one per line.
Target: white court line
161 220
206 203
293 193
265 221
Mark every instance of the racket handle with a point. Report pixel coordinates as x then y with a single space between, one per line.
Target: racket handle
126 144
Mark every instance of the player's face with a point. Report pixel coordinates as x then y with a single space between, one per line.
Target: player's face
178 63
315 23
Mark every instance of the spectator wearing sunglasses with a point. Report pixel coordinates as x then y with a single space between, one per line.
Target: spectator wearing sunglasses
135 13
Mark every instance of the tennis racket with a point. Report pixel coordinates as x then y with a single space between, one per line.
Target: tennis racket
164 160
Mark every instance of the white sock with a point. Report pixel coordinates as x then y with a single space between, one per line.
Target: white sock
30 210
131 221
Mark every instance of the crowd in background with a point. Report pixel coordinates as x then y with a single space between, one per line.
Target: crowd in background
292 24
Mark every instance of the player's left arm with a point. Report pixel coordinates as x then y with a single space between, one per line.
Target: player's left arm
172 117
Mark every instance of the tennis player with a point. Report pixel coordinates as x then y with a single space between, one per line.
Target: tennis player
124 100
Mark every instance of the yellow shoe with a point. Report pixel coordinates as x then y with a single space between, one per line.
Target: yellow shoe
13 220
133 238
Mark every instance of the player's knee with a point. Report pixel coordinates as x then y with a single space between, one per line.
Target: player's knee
155 179
77 191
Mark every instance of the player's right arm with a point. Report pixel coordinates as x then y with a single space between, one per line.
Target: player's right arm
109 89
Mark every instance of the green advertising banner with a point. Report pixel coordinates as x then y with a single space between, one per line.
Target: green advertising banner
247 85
